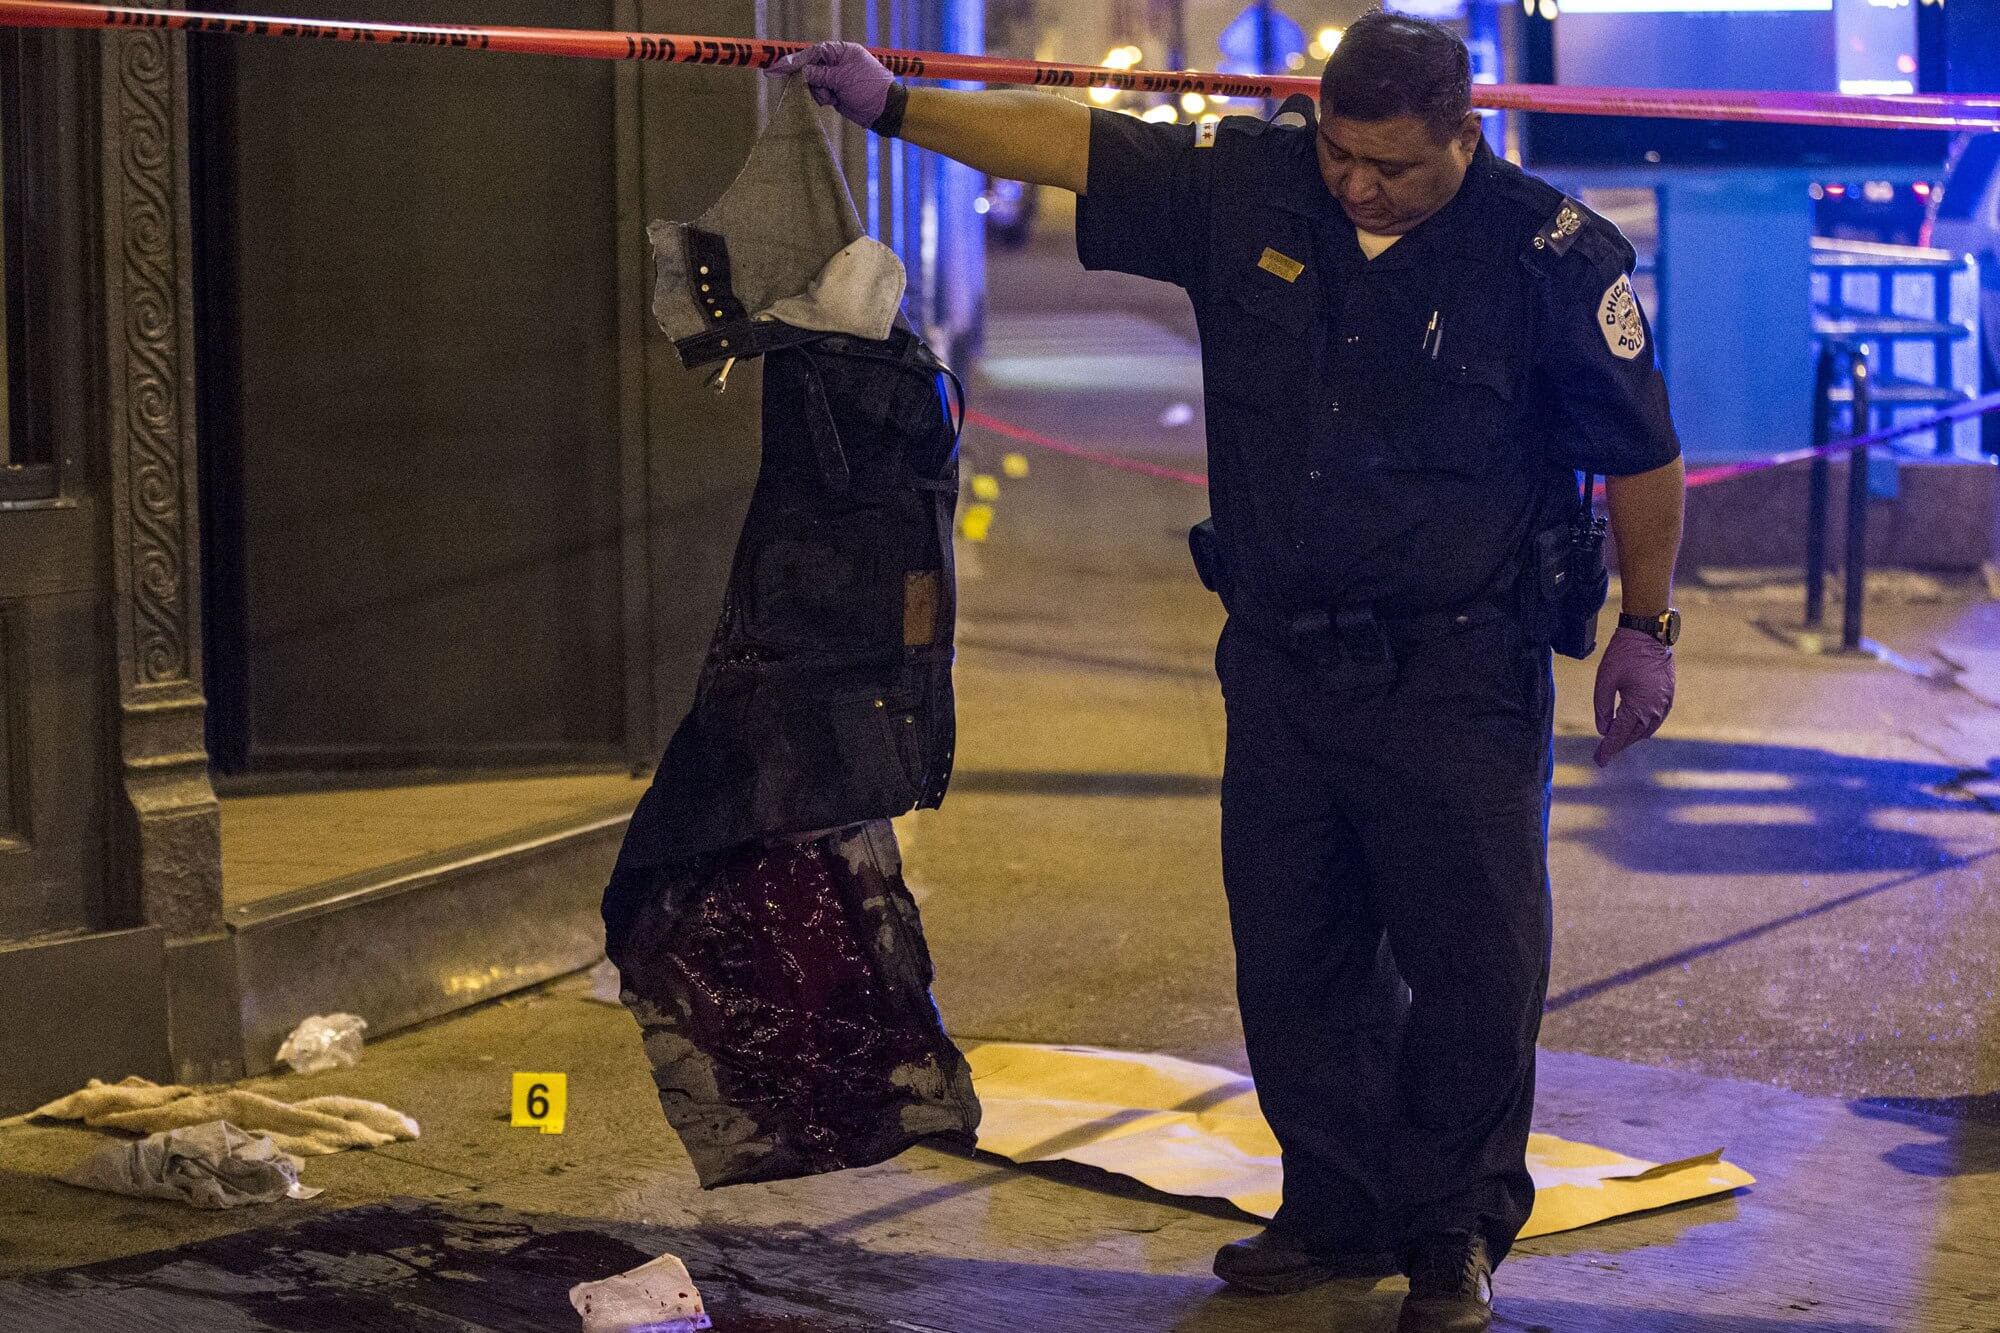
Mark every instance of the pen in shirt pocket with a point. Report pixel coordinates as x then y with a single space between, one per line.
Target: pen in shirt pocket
1433 336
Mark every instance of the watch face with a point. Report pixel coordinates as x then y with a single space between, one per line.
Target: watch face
1670 628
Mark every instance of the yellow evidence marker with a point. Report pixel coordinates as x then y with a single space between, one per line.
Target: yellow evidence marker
540 1101
985 487
1014 465
975 522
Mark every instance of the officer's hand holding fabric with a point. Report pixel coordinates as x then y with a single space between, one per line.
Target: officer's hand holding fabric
844 76
1635 691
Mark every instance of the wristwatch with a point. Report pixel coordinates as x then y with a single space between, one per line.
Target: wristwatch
1666 626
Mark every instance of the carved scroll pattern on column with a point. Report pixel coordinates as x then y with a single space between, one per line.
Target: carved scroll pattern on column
152 411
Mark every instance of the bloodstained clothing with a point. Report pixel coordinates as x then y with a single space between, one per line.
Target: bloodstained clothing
783 991
757 913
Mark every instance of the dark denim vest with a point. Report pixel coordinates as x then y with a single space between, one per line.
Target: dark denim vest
826 696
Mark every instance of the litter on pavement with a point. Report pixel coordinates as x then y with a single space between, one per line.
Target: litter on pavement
656 1297
323 1042
214 1165
604 983
309 1128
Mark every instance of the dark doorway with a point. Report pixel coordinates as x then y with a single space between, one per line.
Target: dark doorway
408 358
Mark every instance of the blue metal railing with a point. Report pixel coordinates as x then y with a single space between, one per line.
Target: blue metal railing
1915 312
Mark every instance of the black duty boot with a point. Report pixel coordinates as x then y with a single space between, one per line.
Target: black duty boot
1272 1263
1451 1285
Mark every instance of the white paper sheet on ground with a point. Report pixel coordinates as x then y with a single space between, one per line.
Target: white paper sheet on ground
656 1297
1195 1129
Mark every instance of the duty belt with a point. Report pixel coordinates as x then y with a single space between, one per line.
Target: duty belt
1357 636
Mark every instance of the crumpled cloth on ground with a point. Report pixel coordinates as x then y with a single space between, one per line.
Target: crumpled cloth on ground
783 991
656 1297
215 1165
309 1128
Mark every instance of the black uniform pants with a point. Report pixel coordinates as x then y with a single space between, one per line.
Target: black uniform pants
1385 853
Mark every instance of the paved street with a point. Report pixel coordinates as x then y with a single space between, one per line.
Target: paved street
1791 884
1776 933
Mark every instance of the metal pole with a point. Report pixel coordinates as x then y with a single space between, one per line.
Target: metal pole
1822 431
1854 573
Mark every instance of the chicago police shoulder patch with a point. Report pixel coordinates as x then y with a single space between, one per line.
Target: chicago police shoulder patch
1618 320
1562 229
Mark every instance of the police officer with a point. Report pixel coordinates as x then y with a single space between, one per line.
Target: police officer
1410 350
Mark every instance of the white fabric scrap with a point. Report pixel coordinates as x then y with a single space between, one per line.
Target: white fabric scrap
797 250
215 1165
656 1297
309 1128
858 292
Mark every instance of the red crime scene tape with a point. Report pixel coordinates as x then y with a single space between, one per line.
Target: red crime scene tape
1832 109
1704 476
1925 112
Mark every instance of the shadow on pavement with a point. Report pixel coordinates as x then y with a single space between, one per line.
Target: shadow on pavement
1681 957
1527 1315
1966 1130
1983 1107
1697 807
1708 808
418 1266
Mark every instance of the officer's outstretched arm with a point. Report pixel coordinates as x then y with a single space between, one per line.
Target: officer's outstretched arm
1016 135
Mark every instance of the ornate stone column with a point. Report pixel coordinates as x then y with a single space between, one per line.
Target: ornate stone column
169 843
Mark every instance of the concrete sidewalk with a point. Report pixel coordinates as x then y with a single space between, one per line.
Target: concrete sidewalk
1861 1223
1776 934
1809 835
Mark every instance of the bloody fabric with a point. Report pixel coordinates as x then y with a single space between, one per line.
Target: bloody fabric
757 913
784 995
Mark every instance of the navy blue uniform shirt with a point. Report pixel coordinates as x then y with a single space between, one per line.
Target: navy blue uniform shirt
1385 432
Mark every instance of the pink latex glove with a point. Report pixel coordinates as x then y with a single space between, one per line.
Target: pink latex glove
844 76
1637 671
